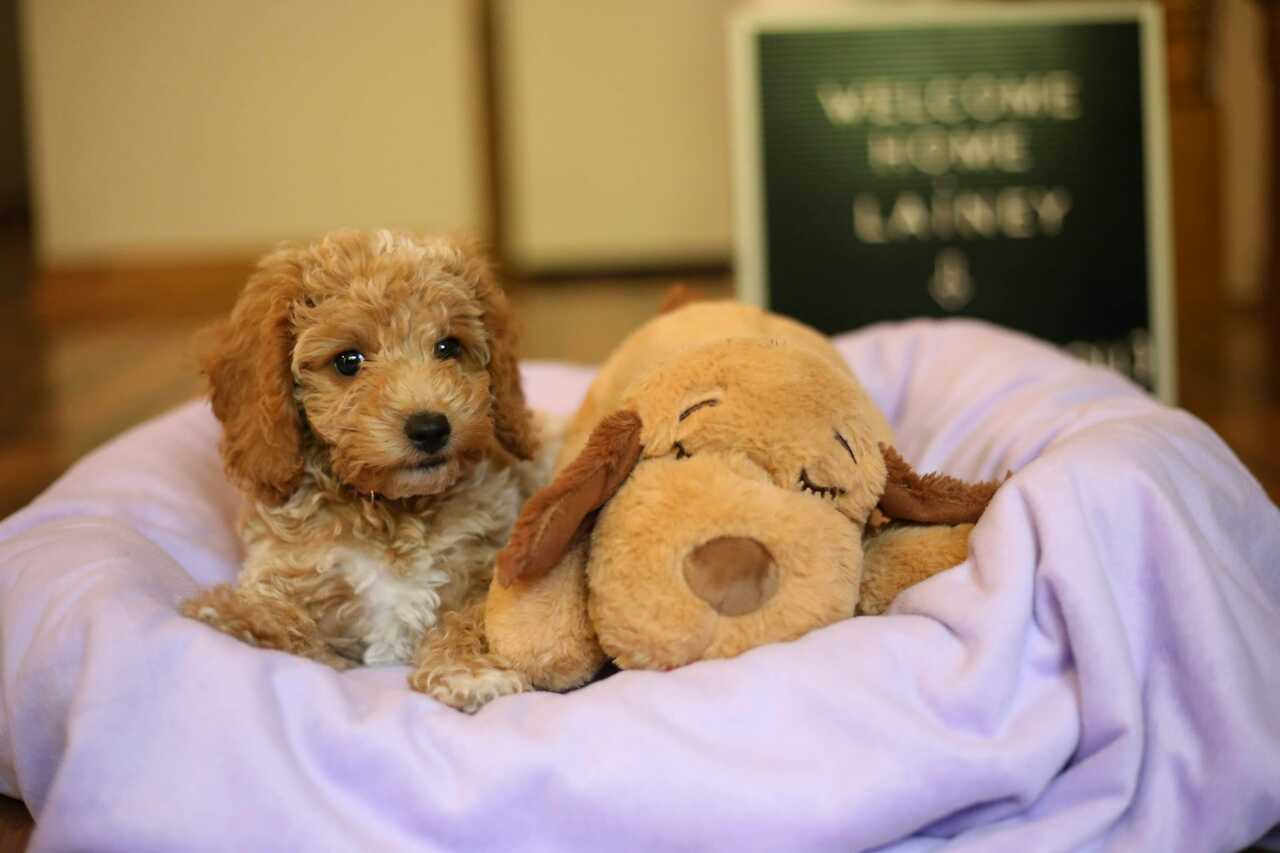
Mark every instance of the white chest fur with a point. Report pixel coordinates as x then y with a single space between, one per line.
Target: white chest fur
374 578
397 603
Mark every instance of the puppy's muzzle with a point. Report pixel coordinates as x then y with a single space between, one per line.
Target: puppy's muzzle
428 431
734 574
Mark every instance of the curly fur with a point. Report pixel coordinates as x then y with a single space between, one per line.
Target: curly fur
358 544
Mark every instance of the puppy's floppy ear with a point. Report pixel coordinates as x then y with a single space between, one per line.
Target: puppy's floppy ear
247 359
511 422
557 515
931 499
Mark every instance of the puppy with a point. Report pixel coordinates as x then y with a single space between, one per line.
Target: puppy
372 415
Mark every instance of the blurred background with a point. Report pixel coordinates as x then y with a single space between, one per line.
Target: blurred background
149 150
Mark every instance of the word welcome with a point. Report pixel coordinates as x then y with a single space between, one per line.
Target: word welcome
979 97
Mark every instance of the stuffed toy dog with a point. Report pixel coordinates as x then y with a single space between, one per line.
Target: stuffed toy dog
713 494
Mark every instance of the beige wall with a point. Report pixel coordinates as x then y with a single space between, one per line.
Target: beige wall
166 126
613 122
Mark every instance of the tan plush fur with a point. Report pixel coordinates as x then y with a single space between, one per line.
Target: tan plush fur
664 512
762 462
363 544
547 626
903 555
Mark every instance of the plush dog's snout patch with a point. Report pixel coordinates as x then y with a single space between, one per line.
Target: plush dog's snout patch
734 574
429 431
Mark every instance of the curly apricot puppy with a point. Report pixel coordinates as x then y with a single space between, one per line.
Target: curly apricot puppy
373 416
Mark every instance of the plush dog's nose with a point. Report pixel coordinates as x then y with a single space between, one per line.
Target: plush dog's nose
734 574
429 431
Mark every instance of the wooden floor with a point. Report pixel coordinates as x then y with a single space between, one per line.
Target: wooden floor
89 353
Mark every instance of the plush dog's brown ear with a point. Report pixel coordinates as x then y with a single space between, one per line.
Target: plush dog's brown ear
555 516
931 499
247 360
512 424
679 296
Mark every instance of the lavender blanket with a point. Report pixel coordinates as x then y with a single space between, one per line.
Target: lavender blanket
1102 673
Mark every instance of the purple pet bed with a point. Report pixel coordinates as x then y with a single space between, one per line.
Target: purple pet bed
1101 673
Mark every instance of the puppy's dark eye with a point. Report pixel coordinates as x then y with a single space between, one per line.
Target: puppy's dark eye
681 453
447 348
347 363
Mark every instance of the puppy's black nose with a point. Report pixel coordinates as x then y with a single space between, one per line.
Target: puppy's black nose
429 431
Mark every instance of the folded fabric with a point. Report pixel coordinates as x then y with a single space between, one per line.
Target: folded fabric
1101 673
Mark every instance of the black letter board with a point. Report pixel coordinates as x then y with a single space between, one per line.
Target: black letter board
1001 162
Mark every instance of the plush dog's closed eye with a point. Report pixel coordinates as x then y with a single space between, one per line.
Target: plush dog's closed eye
821 491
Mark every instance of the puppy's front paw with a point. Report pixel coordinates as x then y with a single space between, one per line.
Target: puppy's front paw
468 689
267 623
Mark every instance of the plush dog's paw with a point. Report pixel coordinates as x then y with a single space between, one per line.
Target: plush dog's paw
468 689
